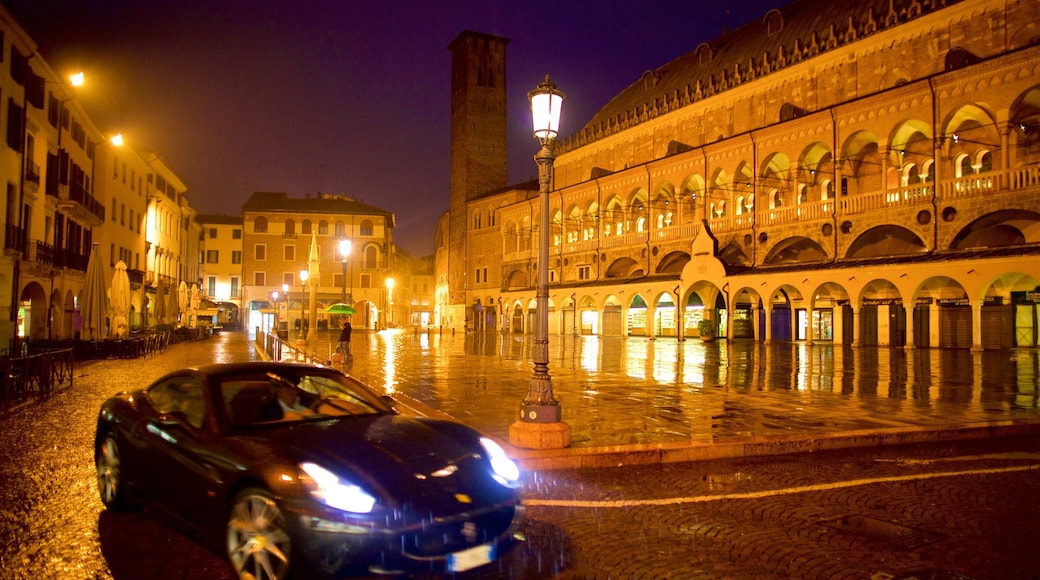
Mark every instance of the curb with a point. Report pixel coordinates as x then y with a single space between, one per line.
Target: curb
590 457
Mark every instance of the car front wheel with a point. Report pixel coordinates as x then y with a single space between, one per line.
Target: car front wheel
258 543
110 473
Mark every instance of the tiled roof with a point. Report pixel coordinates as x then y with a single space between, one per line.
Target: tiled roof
276 201
772 41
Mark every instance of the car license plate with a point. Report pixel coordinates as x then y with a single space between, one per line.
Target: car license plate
471 558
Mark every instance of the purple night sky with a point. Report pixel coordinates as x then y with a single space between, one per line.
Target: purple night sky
346 97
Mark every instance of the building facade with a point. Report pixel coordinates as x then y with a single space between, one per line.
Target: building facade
291 246
221 263
851 173
68 190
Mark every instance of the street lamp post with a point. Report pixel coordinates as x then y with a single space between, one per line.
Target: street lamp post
274 298
344 251
389 301
540 426
285 293
304 274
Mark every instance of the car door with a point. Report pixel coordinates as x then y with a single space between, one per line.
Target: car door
183 443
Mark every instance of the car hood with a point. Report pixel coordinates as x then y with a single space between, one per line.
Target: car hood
396 457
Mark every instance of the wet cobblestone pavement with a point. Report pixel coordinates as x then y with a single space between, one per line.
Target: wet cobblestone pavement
820 515
635 391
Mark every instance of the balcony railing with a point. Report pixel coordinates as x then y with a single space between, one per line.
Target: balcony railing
14 238
995 183
46 254
80 195
32 175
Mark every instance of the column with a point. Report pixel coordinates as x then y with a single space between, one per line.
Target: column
976 326
910 312
855 325
808 325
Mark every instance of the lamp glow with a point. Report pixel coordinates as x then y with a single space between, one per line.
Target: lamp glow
546 103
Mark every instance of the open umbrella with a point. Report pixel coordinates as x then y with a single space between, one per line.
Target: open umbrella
95 302
120 301
340 308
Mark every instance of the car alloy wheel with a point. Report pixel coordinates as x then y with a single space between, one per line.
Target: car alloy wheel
258 542
109 473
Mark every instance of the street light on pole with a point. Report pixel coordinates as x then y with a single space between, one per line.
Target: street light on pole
540 426
285 293
304 274
344 252
274 298
389 300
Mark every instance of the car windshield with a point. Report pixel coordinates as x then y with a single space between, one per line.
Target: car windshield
299 396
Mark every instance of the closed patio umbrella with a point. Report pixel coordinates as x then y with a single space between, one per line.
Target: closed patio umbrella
159 309
172 302
120 302
95 301
182 299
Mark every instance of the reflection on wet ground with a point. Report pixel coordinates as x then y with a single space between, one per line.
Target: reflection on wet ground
622 391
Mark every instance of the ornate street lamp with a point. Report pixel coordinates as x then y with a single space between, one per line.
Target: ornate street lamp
539 426
344 251
285 293
304 274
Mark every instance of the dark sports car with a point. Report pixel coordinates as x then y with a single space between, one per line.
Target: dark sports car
301 470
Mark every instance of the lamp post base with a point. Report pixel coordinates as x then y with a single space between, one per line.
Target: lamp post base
540 427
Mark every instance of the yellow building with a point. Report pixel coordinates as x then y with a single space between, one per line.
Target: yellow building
854 173
70 189
279 234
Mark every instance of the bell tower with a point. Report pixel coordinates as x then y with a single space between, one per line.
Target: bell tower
479 163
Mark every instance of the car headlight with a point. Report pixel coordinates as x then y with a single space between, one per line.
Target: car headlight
505 470
334 492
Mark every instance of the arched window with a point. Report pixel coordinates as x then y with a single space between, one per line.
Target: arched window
366 227
371 257
260 225
963 166
341 229
323 228
641 224
290 227
985 163
305 227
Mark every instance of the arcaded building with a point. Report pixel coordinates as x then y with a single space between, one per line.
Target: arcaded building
859 173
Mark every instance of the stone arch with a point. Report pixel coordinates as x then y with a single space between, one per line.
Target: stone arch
886 240
861 161
672 262
1010 227
624 267
516 280
796 250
